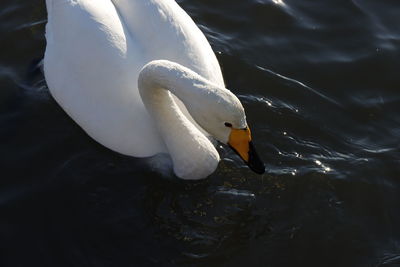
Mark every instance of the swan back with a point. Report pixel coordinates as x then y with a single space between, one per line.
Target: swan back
166 31
95 50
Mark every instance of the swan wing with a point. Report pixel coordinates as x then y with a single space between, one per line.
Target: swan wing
91 66
165 31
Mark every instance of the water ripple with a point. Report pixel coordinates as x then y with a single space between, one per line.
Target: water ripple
302 85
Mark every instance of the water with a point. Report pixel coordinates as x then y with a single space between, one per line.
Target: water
320 84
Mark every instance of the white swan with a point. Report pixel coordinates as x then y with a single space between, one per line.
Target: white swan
120 69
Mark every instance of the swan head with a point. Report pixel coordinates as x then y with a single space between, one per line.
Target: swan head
222 115
216 109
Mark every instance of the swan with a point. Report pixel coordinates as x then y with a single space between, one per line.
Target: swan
140 78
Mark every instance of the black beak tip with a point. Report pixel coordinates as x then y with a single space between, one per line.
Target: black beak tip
255 163
259 168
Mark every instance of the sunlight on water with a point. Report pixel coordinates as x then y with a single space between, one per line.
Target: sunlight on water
279 2
325 168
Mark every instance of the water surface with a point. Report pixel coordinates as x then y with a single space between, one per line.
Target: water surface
320 84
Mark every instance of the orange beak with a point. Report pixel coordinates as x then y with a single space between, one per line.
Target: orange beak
240 142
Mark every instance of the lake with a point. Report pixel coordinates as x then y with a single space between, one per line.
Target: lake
321 87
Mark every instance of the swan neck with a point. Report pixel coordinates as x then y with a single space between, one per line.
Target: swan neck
192 153
184 83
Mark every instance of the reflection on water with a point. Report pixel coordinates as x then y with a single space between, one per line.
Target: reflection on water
319 81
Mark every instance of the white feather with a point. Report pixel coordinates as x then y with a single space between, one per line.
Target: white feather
95 52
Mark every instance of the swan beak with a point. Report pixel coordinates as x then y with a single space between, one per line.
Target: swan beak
240 142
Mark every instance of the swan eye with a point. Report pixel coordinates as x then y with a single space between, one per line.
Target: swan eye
227 124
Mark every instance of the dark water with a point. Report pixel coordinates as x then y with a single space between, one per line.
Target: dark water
320 83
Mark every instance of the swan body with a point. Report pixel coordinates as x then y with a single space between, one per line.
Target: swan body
121 69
